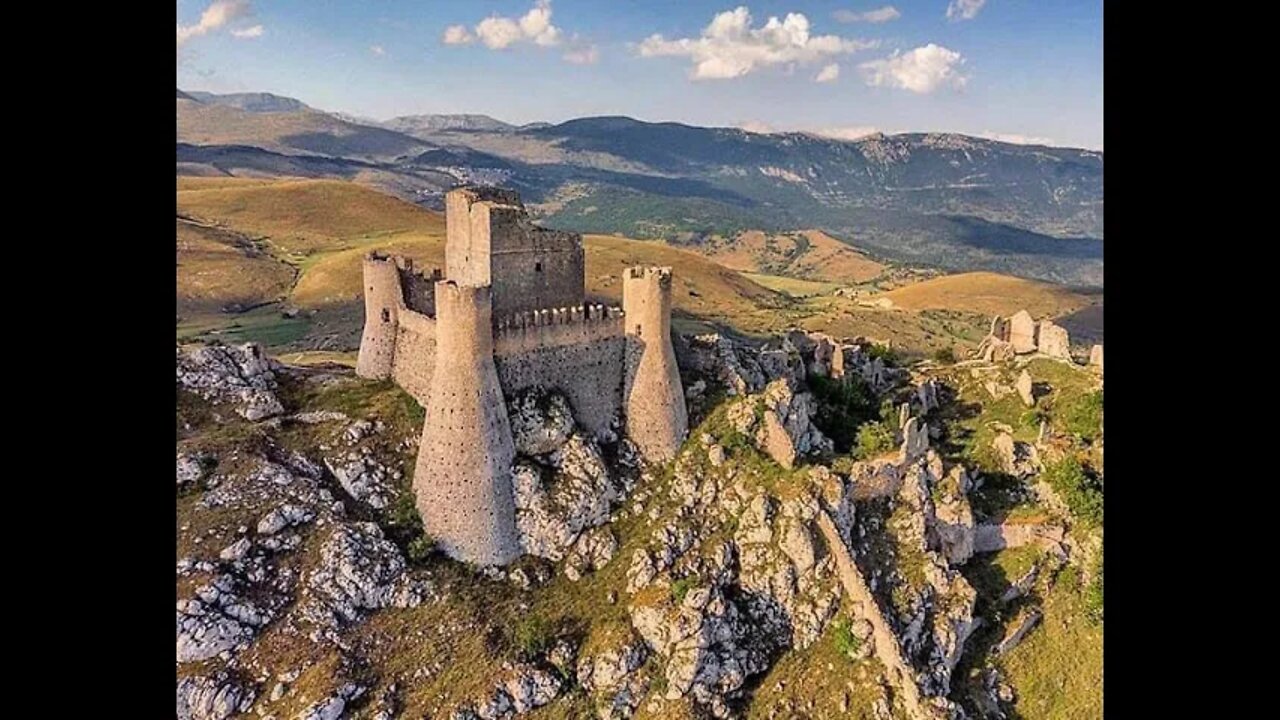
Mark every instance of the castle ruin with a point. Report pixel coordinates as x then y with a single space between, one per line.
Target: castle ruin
509 313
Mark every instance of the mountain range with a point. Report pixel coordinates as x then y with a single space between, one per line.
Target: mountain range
932 199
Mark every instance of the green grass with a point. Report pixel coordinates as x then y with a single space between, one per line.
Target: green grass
261 325
843 638
1081 493
794 287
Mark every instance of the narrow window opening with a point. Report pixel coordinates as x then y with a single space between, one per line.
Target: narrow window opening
537 267
386 315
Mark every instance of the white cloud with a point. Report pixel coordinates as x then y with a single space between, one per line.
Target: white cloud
853 132
582 54
214 17
922 70
499 33
457 35
730 47
377 50
958 10
828 73
249 32
1016 139
879 15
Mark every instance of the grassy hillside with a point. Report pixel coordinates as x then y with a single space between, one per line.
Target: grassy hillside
301 241
808 255
989 294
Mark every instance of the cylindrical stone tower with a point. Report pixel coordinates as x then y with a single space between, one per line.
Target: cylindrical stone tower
463 474
382 299
656 419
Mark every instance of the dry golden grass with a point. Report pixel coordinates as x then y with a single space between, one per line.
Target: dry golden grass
821 258
988 293
215 268
303 217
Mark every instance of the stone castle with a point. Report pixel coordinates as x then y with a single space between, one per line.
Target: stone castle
509 314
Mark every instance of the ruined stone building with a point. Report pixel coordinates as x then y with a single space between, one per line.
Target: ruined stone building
509 313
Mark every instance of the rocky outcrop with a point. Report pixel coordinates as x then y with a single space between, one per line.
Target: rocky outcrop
522 689
359 571
612 680
1095 357
242 377
364 478
557 501
540 421
217 620
213 697
1025 387
779 421
1017 458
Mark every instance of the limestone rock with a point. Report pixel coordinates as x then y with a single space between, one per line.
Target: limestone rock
191 468
285 516
554 505
331 707
359 570
1024 387
779 420
1053 340
1022 332
217 619
242 376
593 550
1095 357
364 478
1016 457
915 439
213 697
1018 630
611 679
541 422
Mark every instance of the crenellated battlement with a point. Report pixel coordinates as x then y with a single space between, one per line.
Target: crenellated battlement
556 327
509 314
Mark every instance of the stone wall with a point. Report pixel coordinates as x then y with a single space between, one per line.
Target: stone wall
419 289
415 358
491 241
578 351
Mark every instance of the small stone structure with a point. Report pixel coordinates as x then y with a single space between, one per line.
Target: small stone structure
1095 357
1052 340
1021 335
510 314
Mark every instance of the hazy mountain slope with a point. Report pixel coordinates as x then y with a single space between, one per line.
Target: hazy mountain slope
301 132
419 125
251 102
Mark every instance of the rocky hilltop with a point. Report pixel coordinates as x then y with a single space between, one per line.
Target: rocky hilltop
839 537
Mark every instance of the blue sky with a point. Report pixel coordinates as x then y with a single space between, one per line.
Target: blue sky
1011 69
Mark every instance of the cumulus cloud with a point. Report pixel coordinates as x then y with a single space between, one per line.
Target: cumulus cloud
215 17
828 73
730 47
958 10
1016 139
457 35
377 50
879 15
922 70
499 33
249 32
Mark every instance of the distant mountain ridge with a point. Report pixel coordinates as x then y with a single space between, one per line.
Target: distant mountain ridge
941 199
251 102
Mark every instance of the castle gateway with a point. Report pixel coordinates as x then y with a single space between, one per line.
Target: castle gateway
510 313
